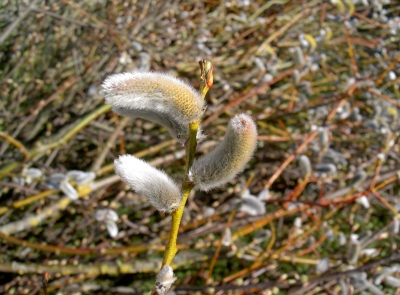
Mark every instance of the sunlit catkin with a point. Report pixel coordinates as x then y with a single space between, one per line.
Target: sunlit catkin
149 182
229 158
156 97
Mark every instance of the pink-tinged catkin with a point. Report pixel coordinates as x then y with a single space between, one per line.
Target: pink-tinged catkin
229 158
157 97
149 182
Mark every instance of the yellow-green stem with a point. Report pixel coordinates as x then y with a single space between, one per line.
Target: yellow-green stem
206 81
187 186
171 249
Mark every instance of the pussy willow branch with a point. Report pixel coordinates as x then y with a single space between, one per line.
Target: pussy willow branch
206 80
171 249
187 186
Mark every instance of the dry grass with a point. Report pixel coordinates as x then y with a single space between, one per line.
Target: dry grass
54 58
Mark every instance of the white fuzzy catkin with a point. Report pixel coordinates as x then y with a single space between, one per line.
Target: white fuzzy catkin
112 228
156 97
149 182
164 280
322 266
252 205
109 217
227 240
229 158
69 190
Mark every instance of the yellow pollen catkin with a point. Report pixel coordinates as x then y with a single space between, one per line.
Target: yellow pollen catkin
156 97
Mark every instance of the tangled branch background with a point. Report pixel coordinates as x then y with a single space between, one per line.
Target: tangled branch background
316 209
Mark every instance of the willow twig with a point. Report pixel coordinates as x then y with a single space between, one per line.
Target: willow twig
19 145
8 30
290 159
206 80
187 185
60 142
111 269
109 144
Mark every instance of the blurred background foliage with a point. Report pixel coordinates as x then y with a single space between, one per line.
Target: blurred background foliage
316 210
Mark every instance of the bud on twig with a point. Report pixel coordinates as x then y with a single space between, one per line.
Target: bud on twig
298 55
354 250
164 280
207 76
305 166
155 185
251 204
296 77
156 97
229 158
109 217
323 135
325 169
358 178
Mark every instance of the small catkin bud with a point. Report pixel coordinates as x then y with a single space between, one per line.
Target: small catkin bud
322 266
325 169
305 87
305 166
149 182
298 55
156 97
311 41
354 251
329 34
252 205
323 135
164 280
296 77
230 157
358 178
209 76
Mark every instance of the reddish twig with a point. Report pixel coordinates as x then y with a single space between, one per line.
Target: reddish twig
290 159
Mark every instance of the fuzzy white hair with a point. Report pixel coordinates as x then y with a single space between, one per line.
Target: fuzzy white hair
229 157
164 280
156 97
149 182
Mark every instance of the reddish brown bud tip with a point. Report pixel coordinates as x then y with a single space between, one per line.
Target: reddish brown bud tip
210 77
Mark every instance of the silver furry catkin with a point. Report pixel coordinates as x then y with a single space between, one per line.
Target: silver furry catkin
149 182
229 158
156 97
164 280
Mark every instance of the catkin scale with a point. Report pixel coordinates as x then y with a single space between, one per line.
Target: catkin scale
149 182
229 158
156 97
